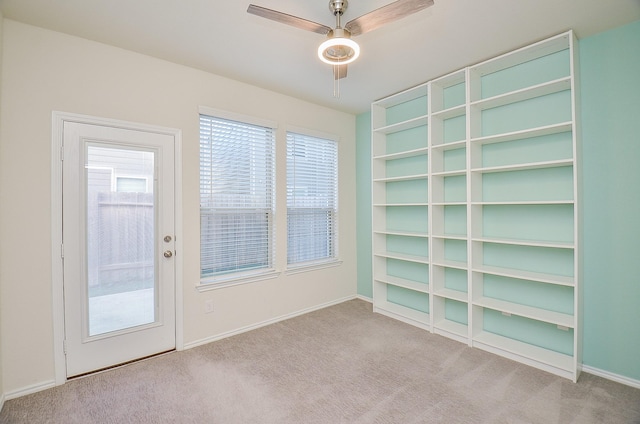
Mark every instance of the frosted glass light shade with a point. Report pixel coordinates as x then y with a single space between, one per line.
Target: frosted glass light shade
338 51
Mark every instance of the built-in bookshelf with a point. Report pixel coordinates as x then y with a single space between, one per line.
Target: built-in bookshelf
475 206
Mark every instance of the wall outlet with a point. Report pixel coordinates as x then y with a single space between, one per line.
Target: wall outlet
208 306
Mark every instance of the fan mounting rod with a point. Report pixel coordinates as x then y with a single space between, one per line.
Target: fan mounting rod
337 7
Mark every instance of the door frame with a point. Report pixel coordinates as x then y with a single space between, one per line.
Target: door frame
57 281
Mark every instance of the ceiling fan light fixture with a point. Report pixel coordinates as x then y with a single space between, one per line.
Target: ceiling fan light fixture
339 48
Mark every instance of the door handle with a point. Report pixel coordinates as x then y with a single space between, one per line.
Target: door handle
168 253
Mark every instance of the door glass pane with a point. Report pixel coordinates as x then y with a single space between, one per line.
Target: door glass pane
121 280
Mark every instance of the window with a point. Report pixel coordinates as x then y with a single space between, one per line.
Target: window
236 198
312 199
131 185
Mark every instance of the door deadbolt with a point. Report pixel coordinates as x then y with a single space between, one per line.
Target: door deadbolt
168 253
167 239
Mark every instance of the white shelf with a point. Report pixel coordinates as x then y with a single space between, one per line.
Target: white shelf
404 125
450 146
452 294
526 202
525 166
447 263
526 275
404 283
538 354
403 96
460 203
521 242
538 314
403 257
450 236
402 233
403 178
562 84
451 328
529 133
393 205
452 112
455 173
403 313
401 155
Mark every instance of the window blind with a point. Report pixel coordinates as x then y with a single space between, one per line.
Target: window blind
312 198
236 197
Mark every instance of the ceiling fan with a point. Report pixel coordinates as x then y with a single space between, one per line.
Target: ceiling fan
339 49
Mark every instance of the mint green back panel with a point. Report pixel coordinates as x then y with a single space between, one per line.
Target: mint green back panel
408 270
454 95
455 159
408 245
407 110
526 330
455 250
527 74
528 258
530 293
455 220
411 139
455 279
529 222
454 129
534 149
537 112
407 218
455 188
409 298
411 191
414 165
456 311
545 184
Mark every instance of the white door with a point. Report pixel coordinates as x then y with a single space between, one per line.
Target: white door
118 244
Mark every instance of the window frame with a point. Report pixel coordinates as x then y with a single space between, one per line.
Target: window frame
243 276
330 261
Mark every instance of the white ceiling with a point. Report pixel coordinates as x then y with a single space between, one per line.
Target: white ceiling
221 37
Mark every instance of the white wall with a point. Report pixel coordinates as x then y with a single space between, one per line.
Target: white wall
46 71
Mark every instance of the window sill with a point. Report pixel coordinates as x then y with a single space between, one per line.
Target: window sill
221 283
313 266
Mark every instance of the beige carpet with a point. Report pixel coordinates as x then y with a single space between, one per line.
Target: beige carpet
342 364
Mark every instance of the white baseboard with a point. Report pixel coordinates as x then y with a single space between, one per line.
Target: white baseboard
366 299
30 389
265 323
49 384
611 376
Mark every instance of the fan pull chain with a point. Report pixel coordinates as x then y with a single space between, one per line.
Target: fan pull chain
336 82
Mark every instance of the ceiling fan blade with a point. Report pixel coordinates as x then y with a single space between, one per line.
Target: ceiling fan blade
389 13
339 71
288 19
